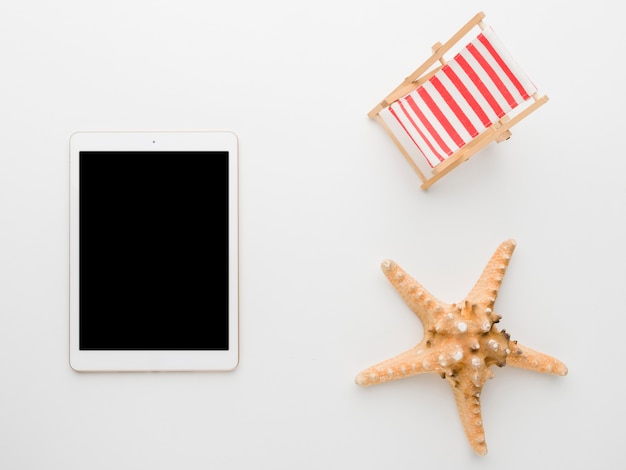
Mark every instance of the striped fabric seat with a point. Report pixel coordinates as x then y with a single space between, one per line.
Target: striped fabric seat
475 89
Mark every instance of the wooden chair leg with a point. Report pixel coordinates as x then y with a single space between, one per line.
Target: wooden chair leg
506 135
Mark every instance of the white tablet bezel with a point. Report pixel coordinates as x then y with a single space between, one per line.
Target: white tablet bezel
213 360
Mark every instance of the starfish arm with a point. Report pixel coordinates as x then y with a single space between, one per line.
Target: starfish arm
467 397
485 291
422 302
523 357
412 362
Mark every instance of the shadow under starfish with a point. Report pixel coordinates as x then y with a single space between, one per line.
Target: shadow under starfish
461 342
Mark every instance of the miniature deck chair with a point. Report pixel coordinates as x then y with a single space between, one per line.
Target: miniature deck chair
446 111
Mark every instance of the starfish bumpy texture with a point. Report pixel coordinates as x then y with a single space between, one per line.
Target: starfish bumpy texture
461 342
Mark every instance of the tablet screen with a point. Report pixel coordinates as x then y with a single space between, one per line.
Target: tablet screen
153 250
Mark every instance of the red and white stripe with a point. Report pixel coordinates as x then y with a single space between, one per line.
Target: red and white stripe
477 87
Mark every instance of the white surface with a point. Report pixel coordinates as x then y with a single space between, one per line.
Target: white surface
325 197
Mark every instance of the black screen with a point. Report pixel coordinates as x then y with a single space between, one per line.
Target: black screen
153 243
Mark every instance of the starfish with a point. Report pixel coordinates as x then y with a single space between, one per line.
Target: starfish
461 342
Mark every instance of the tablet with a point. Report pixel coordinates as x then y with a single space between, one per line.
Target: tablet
153 251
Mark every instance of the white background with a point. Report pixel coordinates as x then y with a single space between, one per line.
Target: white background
325 197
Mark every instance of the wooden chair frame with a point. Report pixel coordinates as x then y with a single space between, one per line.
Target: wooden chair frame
498 132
